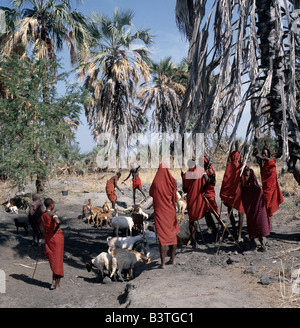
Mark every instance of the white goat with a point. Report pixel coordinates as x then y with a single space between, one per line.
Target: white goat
122 222
14 210
101 262
184 235
181 203
126 259
122 242
138 209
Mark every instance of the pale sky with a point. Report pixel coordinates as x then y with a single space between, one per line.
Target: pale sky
156 15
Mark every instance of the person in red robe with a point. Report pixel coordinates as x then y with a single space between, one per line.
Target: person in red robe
54 242
230 192
193 183
111 184
210 196
163 191
136 181
258 221
272 193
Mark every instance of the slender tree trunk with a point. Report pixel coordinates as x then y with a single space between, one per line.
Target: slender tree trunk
40 184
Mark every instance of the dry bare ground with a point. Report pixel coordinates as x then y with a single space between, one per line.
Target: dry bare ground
235 278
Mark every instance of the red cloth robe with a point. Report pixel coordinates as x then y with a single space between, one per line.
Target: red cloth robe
163 191
210 191
110 190
136 182
272 193
54 244
193 182
258 221
230 192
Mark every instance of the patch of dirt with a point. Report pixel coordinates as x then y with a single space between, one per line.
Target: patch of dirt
199 279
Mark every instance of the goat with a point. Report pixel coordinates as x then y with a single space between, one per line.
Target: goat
94 212
86 209
19 224
100 217
180 217
106 207
123 242
101 262
138 222
14 210
122 222
184 235
181 203
137 209
126 259
11 207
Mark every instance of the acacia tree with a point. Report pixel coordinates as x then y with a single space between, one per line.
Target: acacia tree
252 52
35 134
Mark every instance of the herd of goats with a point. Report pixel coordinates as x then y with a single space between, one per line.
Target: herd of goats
124 252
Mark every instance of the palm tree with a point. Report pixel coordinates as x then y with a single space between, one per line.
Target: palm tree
165 92
112 72
46 25
252 53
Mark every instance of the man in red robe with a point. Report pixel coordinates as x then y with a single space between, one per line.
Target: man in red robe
136 181
54 242
163 191
193 183
230 192
111 184
272 193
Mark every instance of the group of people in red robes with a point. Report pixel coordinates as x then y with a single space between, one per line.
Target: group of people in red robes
239 190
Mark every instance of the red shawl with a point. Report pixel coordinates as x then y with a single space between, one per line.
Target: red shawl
163 190
230 192
210 190
258 222
54 244
193 182
272 193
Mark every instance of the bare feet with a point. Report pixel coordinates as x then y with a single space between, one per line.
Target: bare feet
170 262
162 266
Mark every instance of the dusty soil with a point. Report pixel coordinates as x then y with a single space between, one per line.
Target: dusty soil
235 278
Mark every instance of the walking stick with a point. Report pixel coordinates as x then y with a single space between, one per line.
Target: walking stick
37 260
224 225
295 211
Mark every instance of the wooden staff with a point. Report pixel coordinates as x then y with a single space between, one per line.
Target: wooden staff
224 225
37 260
